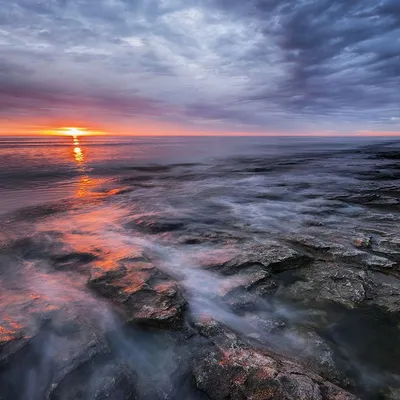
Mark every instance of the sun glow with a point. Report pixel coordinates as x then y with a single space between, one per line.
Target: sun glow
72 131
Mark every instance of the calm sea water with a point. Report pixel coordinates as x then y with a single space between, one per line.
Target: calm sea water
41 169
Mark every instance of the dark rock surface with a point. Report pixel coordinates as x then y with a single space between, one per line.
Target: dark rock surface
102 381
231 369
329 282
272 256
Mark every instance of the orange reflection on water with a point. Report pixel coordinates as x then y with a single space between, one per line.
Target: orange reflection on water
79 157
9 330
78 154
85 182
85 185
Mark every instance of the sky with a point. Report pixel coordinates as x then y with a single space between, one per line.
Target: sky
201 66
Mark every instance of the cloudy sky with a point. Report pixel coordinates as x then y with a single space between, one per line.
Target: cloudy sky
201 66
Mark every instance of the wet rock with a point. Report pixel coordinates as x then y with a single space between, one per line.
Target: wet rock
370 198
59 349
73 360
39 245
362 242
231 369
387 245
359 258
272 256
308 244
329 282
13 337
98 382
72 260
387 292
243 290
156 224
312 350
16 329
147 295
247 279
393 394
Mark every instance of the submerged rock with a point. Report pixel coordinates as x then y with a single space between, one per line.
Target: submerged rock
110 381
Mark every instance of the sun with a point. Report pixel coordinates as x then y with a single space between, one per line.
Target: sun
74 131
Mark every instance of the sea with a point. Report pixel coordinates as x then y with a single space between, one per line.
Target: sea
182 199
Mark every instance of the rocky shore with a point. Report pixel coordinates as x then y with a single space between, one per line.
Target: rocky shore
108 300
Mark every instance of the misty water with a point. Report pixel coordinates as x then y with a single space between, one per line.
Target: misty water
88 222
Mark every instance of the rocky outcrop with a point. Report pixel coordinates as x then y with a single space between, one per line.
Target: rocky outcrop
387 292
361 252
350 287
231 369
329 282
146 295
271 255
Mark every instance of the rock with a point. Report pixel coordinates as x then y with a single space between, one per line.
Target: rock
13 337
378 263
311 350
18 329
243 290
359 258
362 242
157 224
111 381
329 282
59 349
387 292
387 245
231 369
393 394
274 257
308 244
147 295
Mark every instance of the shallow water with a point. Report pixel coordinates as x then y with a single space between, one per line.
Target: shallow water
69 207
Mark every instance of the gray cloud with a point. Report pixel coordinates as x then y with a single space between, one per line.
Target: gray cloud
281 66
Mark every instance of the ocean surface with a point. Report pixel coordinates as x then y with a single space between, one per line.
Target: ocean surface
34 170
72 205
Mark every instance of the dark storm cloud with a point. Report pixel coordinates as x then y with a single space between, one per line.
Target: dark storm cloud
269 65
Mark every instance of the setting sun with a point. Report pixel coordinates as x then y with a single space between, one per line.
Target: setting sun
74 131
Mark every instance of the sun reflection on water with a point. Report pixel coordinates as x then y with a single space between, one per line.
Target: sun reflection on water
78 153
85 183
84 186
79 158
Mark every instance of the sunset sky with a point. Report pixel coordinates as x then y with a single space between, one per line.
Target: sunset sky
200 67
